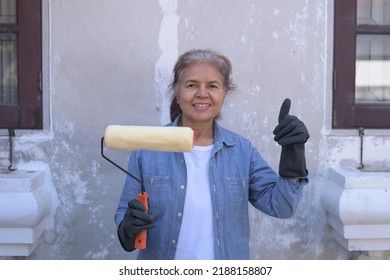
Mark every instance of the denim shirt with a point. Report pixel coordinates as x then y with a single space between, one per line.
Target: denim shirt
237 173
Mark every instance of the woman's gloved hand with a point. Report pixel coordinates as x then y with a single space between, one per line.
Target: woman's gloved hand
291 133
135 221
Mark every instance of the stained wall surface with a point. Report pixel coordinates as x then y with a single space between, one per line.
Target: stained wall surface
110 62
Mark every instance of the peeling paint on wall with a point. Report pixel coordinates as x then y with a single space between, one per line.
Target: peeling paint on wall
168 44
298 29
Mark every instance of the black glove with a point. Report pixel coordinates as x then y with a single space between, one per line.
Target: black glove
134 221
291 133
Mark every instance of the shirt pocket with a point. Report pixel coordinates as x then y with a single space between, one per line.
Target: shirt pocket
157 188
238 196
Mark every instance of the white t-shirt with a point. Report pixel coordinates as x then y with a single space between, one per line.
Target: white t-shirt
196 234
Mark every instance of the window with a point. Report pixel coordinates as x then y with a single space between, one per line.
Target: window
361 77
20 64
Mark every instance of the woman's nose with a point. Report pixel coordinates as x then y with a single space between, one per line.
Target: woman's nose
202 91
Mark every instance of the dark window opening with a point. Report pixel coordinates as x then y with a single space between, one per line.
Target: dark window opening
361 76
20 64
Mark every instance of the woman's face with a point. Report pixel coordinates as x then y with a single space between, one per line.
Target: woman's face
201 93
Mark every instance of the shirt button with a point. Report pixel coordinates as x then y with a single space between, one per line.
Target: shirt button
179 214
173 241
182 187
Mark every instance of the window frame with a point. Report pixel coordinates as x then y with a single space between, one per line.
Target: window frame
346 113
28 113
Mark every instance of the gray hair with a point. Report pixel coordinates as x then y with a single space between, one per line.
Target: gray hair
190 57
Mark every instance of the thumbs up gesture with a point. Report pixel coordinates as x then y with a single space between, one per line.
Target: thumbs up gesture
291 133
290 129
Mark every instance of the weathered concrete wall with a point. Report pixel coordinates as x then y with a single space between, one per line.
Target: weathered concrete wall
109 62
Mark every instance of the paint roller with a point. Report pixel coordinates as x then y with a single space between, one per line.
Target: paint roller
155 138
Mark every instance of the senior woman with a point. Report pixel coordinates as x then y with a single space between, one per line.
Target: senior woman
199 200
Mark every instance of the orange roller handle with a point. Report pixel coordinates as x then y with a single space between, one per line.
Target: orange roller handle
140 238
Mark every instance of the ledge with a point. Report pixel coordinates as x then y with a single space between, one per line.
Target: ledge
358 208
26 211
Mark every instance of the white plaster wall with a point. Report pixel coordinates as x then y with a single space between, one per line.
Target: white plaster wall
109 62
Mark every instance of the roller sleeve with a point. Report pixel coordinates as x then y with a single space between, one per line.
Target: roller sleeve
156 138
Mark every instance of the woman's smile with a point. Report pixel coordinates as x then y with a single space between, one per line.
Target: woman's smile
201 106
